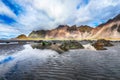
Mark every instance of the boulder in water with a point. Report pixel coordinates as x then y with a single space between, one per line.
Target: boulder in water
105 43
57 48
71 45
42 45
99 46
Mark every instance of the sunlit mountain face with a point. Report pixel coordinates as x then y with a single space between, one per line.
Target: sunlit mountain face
23 16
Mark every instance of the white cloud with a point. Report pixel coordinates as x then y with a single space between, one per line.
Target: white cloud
8 31
97 10
6 11
48 14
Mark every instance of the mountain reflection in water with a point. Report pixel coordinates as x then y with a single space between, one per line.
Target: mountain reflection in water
36 64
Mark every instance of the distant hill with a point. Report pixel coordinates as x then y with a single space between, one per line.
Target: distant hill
22 36
110 30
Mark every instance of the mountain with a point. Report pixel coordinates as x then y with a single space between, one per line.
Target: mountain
22 36
63 32
109 30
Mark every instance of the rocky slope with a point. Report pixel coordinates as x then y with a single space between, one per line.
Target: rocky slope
110 29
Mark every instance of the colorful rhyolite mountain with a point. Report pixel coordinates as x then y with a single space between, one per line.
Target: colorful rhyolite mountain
108 30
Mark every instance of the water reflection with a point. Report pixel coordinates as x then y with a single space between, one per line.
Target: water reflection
37 64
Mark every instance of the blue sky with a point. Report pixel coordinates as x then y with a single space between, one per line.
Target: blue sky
23 16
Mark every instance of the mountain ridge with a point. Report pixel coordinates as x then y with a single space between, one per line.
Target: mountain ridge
110 29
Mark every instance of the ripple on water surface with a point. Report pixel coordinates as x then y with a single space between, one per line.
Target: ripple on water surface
35 64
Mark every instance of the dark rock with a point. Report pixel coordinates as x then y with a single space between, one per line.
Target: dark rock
85 28
38 34
45 43
42 45
56 48
105 43
71 45
101 43
117 18
99 46
113 27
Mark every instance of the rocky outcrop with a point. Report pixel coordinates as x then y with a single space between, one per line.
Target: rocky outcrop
105 43
100 44
85 28
58 47
64 46
48 45
71 45
38 34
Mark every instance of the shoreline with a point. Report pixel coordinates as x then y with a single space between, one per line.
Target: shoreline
39 40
